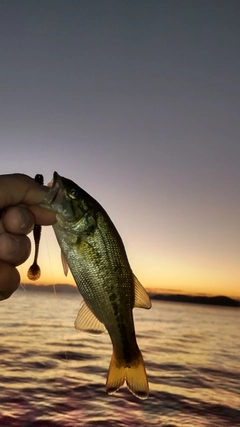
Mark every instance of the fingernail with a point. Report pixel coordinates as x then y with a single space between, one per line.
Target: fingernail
13 244
24 219
26 222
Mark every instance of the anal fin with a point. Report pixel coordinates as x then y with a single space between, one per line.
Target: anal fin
86 321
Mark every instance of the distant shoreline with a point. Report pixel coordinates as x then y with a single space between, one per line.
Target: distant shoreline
182 298
192 299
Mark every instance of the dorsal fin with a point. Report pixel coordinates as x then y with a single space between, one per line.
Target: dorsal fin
64 263
141 298
86 321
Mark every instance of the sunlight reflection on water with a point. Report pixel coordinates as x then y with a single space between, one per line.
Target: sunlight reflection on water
53 375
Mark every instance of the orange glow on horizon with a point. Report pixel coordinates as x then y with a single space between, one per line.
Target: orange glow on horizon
160 286
164 273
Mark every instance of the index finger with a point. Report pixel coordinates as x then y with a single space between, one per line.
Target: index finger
19 188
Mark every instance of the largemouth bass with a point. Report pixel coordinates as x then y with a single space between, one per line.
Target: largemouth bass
94 251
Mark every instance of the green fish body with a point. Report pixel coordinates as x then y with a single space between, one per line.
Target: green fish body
95 254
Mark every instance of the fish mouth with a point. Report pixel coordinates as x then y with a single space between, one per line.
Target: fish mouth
55 193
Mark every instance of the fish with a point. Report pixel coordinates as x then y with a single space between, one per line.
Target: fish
34 272
94 251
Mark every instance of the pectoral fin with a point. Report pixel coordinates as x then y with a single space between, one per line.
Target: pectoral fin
86 321
64 263
141 298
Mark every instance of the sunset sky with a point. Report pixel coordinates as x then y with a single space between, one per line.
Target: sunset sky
138 103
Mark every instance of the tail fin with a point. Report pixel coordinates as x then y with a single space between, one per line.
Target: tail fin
135 377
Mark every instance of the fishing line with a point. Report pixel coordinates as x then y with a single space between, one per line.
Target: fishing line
51 269
55 292
21 272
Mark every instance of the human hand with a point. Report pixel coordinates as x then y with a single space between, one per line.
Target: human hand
19 197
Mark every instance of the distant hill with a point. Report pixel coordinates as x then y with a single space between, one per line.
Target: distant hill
63 288
216 300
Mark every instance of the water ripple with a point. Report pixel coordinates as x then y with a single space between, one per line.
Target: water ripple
54 376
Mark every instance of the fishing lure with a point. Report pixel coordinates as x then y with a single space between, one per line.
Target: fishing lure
34 271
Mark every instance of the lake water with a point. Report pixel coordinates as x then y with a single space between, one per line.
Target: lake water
54 376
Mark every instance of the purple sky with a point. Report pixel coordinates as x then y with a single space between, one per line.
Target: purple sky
138 102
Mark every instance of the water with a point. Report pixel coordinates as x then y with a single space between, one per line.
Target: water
54 376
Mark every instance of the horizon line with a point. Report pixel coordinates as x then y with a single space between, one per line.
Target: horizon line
150 290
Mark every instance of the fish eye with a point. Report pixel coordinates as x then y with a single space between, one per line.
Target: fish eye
73 193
